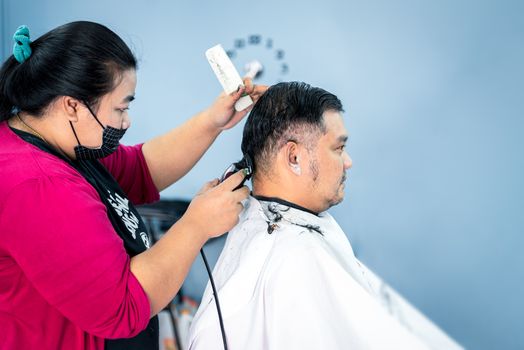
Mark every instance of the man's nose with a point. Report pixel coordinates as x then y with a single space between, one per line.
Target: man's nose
348 162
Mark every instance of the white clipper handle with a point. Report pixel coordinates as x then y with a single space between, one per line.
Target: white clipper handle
227 74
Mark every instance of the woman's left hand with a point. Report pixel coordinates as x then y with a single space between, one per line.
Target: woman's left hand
222 112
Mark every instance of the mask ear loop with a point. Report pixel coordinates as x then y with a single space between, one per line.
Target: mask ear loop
74 132
94 115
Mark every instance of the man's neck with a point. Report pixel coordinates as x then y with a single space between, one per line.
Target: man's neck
284 202
279 193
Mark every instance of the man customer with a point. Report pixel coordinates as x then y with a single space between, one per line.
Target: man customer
287 277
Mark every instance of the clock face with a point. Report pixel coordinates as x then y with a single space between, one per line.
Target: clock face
259 58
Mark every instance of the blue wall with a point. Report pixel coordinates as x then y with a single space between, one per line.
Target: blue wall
434 98
3 32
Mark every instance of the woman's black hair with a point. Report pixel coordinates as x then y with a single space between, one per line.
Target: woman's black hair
84 60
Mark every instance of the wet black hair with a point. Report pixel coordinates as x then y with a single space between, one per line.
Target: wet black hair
288 111
84 60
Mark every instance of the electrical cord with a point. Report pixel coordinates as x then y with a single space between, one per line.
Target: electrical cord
247 164
217 303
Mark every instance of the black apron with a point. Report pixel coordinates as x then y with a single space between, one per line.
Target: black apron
125 220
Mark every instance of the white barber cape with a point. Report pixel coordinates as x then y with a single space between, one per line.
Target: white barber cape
298 287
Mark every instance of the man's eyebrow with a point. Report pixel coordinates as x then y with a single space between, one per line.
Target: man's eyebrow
129 98
343 138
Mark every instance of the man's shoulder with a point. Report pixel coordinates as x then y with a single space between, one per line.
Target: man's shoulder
277 240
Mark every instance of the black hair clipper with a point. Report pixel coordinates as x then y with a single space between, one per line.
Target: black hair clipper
244 163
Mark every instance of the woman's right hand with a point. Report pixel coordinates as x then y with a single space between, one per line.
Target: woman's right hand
162 268
216 207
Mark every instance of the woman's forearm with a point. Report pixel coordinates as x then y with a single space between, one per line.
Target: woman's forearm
161 270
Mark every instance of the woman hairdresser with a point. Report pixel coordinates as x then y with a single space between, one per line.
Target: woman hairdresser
76 266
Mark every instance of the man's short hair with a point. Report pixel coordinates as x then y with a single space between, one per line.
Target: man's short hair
288 111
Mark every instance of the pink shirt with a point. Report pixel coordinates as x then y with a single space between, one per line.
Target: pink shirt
65 281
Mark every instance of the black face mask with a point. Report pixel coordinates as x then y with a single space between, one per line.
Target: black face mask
110 141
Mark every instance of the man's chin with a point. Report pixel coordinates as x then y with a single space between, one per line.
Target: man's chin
336 201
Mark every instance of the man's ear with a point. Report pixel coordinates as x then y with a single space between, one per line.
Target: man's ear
71 107
292 153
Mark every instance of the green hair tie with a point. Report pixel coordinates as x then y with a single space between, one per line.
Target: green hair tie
21 49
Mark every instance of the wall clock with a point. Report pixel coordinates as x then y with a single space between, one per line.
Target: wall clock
260 58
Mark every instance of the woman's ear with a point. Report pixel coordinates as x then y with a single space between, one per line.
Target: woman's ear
70 107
